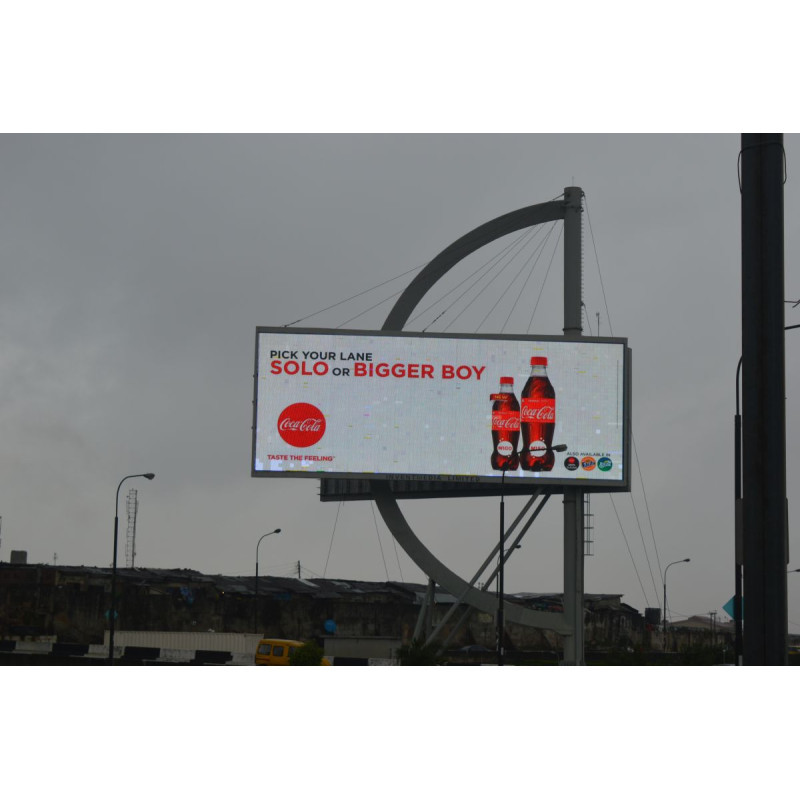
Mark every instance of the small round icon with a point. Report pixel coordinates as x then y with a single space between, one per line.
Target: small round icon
571 463
301 425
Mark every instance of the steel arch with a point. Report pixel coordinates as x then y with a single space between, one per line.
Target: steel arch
381 491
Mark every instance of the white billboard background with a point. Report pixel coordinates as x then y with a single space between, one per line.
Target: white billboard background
419 407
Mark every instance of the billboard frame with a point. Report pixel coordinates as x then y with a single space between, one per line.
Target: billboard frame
354 485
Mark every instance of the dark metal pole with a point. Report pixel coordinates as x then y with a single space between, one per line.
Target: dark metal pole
666 569
255 610
763 394
738 608
737 507
500 580
112 613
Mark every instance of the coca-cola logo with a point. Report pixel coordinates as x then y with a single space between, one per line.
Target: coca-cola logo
538 413
301 425
505 421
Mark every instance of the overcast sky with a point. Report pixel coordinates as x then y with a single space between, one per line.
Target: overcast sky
135 269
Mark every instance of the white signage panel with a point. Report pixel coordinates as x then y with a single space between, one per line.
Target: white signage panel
372 404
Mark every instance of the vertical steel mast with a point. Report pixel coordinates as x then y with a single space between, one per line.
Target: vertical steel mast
570 624
573 498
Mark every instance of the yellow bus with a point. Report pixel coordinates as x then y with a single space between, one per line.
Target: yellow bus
275 652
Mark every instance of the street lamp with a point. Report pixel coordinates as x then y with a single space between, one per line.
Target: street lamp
255 612
113 611
680 561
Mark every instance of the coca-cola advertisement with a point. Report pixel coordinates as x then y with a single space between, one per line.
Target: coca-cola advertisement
375 404
538 419
505 427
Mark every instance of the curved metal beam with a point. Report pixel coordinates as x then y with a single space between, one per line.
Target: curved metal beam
461 248
384 499
446 578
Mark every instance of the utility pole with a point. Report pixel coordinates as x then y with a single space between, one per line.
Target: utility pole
713 617
764 514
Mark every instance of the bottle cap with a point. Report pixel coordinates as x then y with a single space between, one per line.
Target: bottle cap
539 361
506 380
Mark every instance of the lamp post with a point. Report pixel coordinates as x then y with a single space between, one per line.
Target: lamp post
113 611
255 612
500 576
680 561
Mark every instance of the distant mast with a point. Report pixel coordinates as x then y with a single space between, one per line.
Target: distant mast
132 506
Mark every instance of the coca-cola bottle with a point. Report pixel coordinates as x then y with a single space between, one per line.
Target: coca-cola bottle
538 419
505 427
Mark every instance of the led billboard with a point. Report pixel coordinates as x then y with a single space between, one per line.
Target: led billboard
455 408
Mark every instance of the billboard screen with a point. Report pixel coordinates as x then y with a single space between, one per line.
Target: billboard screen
456 408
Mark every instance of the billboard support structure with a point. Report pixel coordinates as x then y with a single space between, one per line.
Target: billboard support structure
416 468
570 623
573 498
461 599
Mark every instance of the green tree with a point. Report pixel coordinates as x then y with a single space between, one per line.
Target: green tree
309 655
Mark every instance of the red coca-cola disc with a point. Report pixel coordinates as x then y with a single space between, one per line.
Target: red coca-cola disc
301 425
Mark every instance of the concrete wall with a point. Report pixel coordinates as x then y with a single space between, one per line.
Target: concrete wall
187 640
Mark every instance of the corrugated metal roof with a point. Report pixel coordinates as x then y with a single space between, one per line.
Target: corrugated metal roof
320 588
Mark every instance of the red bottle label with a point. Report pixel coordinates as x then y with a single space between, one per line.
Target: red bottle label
505 420
538 409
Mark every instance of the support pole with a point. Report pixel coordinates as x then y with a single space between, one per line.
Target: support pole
573 576
573 262
425 617
737 522
764 521
501 627
573 498
460 599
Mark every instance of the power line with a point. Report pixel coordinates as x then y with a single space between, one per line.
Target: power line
377 534
333 533
597 261
530 274
544 282
633 561
485 268
646 504
539 249
353 297
633 440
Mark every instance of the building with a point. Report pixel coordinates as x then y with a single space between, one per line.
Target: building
71 604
